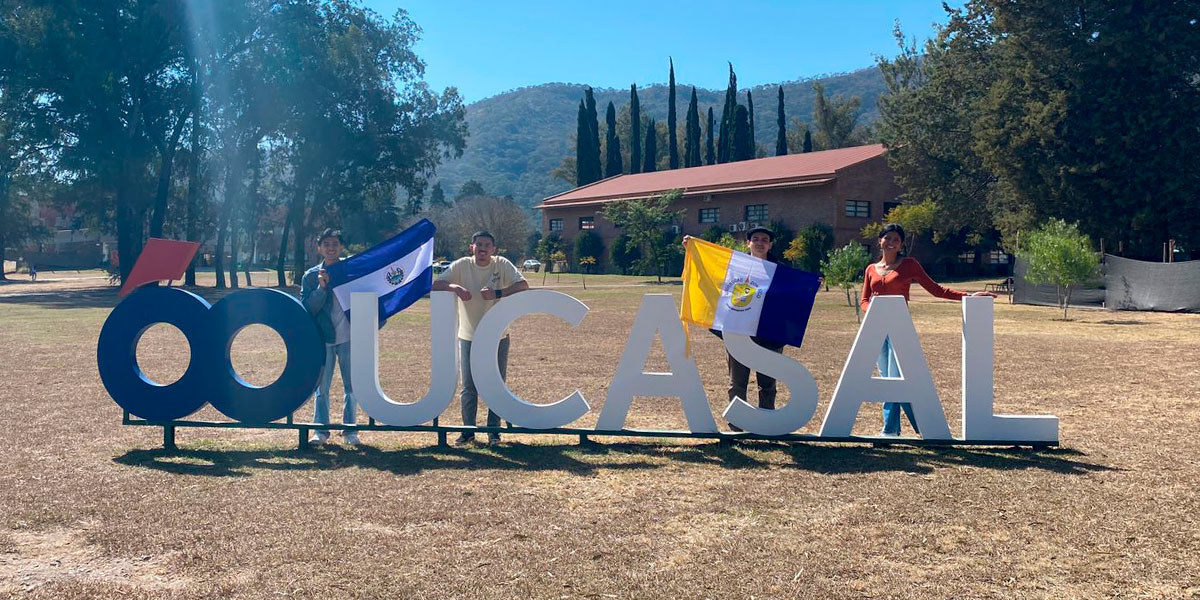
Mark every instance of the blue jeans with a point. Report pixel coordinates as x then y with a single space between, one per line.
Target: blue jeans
888 367
341 354
469 398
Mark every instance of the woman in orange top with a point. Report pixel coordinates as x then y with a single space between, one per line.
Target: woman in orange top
892 276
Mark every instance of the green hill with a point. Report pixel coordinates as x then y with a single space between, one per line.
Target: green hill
518 137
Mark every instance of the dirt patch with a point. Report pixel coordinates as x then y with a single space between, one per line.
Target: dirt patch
32 559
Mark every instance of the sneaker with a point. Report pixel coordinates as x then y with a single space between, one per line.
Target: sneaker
463 439
493 439
351 437
319 437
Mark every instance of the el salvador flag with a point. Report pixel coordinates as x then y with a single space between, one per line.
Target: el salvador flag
398 271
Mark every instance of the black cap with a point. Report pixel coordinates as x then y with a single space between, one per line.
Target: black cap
770 234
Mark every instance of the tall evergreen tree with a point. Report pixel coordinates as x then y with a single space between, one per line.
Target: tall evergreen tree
742 146
635 131
710 156
651 157
750 109
437 196
781 137
725 139
612 166
672 143
593 122
691 142
583 138
807 140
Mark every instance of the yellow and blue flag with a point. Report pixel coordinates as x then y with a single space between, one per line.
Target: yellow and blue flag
730 291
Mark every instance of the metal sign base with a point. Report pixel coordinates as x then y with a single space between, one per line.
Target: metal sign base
584 435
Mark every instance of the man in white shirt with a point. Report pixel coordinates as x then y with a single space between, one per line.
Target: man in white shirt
479 281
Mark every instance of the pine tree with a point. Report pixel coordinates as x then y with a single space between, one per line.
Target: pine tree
612 165
691 142
807 140
725 139
781 137
651 158
742 140
593 123
672 143
635 134
750 109
710 156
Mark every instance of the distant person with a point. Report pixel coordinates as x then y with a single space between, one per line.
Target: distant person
479 281
759 240
892 276
32 273
331 320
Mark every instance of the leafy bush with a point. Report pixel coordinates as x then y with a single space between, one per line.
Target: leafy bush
1059 254
845 268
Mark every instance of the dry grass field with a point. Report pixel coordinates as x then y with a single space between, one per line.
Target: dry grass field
91 509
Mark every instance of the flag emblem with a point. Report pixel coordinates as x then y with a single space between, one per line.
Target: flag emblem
742 296
395 276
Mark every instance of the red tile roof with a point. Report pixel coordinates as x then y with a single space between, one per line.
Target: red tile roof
793 170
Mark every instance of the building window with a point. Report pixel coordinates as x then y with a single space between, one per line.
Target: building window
858 208
555 224
997 257
756 213
967 257
888 206
710 215
587 223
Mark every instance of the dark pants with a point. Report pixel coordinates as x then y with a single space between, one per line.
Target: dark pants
739 379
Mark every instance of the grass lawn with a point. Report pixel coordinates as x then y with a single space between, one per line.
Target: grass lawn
91 509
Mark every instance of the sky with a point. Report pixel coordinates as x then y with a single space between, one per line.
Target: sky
485 48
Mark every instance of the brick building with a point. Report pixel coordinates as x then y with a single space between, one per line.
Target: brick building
845 189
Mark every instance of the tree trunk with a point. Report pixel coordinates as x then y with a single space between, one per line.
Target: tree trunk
193 193
219 251
165 169
234 250
281 260
3 255
301 232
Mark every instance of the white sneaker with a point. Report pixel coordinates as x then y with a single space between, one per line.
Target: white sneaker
351 437
319 437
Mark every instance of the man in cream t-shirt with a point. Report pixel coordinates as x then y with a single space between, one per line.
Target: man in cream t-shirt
479 280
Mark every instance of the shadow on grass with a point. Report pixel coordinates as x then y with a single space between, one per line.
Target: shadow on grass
591 458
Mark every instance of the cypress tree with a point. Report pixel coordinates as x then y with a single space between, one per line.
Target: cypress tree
613 165
750 109
807 140
725 140
593 123
437 197
710 157
672 143
742 148
635 126
583 137
651 161
781 137
691 142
